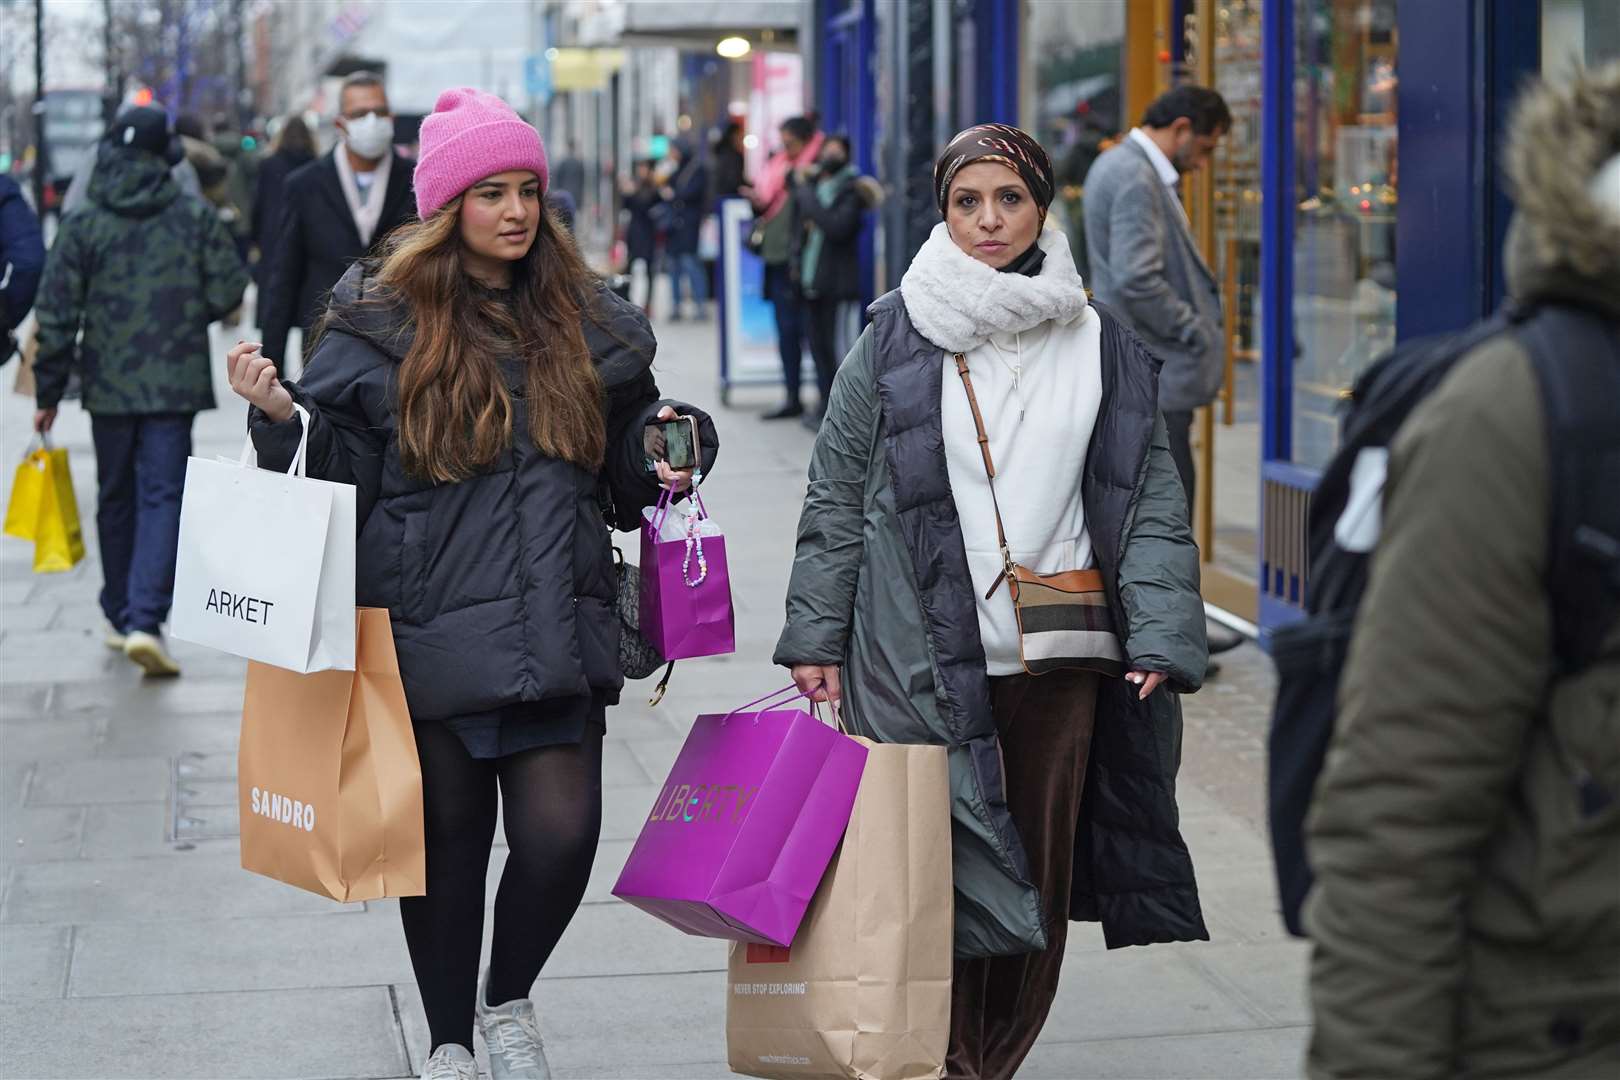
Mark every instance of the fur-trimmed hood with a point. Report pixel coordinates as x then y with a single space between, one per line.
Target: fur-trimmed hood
1563 165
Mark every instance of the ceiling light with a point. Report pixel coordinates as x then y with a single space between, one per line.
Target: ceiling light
733 48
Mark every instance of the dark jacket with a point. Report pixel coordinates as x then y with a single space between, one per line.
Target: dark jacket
838 269
881 588
641 235
22 256
319 241
268 201
1466 828
691 189
501 587
141 270
730 173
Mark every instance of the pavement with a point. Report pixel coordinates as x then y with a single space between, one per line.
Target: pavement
133 945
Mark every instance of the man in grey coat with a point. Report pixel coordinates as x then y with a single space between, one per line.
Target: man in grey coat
1145 263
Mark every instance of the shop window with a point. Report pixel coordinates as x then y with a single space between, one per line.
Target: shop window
1346 179
1078 53
1576 33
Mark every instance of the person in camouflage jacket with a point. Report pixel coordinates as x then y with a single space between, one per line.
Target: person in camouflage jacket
140 270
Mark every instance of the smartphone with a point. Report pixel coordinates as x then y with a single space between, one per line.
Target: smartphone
672 441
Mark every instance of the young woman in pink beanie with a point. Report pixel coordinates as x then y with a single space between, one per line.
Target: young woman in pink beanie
486 395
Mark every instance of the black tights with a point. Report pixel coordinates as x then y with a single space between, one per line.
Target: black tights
553 815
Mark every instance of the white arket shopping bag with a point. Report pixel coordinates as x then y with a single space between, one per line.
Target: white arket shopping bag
266 563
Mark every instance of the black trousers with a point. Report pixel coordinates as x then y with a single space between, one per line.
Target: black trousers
823 325
789 307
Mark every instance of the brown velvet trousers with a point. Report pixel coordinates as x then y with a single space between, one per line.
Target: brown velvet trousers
999 1003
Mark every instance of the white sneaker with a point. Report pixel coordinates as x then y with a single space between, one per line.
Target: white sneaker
147 651
112 636
512 1037
450 1062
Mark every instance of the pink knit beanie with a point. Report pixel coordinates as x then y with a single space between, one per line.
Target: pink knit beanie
471 135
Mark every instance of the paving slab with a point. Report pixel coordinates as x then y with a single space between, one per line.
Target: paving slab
228 954
153 698
100 780
23 703
1141 991
26 618
41 834
199 886
46 739
34 961
1267 1054
128 830
276 1035
1274 978
617 939
170 735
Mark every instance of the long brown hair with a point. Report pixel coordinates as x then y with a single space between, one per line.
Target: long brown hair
455 410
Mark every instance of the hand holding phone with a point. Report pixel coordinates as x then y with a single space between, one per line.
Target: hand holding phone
672 441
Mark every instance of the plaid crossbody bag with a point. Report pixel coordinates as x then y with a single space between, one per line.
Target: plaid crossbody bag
1064 622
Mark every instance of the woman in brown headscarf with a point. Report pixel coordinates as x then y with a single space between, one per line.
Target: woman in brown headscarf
1063 736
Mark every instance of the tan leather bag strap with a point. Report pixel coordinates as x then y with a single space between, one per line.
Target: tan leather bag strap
1009 568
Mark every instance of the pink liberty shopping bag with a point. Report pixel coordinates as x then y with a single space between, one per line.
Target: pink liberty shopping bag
685 587
744 827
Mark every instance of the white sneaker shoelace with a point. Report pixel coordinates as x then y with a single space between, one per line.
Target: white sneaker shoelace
513 1036
442 1066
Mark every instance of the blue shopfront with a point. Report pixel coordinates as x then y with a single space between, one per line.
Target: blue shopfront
1358 202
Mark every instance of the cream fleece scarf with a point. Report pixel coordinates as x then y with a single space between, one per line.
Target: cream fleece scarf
957 302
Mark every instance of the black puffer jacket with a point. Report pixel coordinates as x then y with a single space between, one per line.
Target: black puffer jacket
500 587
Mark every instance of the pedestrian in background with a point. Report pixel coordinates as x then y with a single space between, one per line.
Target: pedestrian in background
1145 261
730 168
1466 828
898 605
685 193
481 530
830 207
294 147
641 202
22 260
569 175
773 239
335 210
140 271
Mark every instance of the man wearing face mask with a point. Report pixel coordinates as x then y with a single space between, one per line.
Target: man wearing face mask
338 208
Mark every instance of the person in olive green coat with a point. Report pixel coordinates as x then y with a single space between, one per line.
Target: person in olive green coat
130 286
1466 829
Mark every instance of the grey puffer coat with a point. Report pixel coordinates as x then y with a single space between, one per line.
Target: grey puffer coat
880 587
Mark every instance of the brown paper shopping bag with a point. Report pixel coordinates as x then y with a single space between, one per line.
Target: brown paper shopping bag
865 989
330 784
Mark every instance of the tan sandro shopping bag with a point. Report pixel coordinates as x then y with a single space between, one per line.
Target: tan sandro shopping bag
865 989
330 784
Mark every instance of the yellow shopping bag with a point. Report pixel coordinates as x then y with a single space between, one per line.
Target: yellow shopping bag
58 543
22 512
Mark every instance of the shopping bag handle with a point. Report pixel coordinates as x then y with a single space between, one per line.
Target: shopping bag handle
837 715
655 524
770 697
250 455
42 438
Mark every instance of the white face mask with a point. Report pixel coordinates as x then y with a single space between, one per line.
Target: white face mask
370 136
